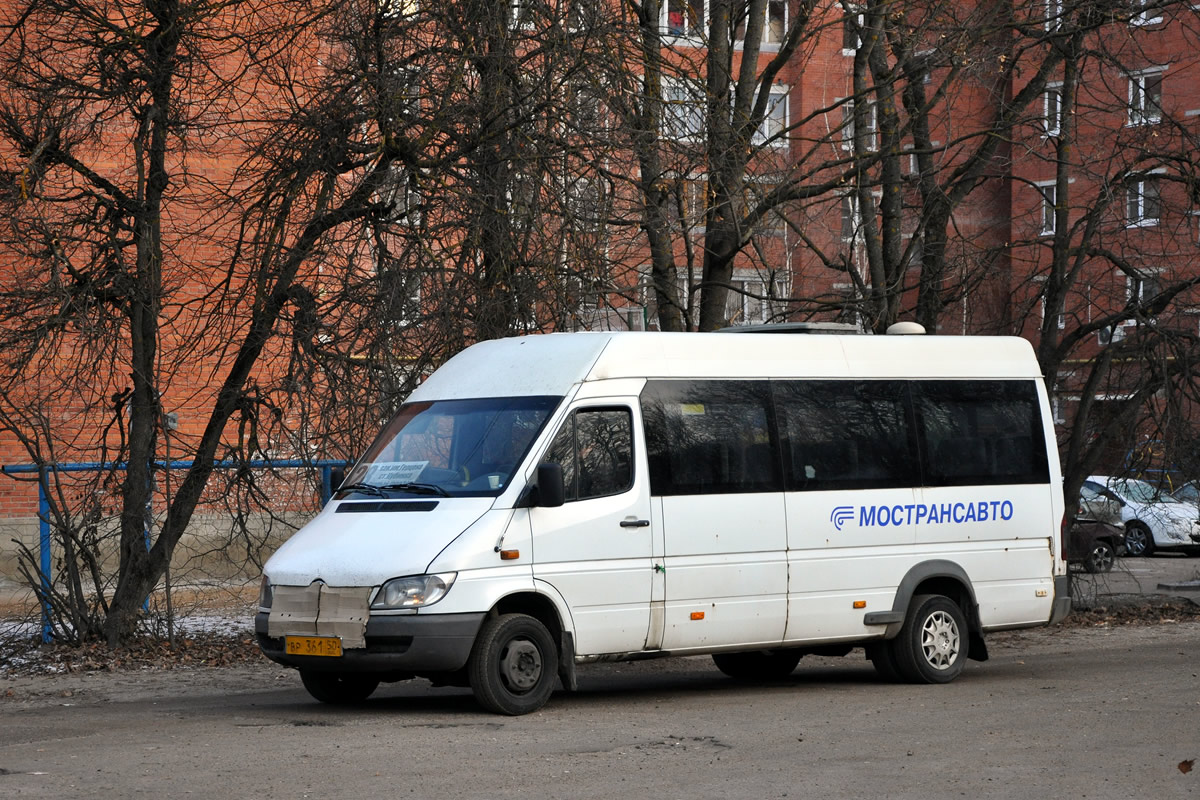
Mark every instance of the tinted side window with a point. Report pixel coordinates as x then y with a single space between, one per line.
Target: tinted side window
710 437
845 434
980 432
595 449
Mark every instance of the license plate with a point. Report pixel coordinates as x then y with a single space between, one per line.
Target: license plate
312 646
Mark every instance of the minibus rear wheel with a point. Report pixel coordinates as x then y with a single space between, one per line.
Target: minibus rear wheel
513 665
932 645
338 688
759 665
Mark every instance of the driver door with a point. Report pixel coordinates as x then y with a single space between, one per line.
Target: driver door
596 550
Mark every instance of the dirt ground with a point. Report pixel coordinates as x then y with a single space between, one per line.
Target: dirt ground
216 662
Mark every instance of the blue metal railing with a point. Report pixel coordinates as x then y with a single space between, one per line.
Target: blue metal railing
43 470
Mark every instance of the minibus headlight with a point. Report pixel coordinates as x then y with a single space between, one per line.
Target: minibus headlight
414 591
265 593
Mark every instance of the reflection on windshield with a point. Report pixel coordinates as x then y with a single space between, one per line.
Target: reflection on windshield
1142 492
452 447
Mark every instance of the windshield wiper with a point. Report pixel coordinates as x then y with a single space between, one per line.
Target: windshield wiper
418 488
363 488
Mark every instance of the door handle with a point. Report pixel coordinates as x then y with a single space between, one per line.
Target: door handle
635 523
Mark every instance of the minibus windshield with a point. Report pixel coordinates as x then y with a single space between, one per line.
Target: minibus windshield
451 448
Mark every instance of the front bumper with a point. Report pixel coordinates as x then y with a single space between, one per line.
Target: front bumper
415 644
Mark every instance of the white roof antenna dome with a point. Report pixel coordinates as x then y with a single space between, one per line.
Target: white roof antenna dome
905 329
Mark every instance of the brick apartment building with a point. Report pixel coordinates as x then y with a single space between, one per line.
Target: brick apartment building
1116 208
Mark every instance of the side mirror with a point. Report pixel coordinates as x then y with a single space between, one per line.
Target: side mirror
337 476
551 491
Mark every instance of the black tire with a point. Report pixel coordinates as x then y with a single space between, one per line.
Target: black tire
513 665
883 658
338 688
1138 539
932 645
758 665
1099 558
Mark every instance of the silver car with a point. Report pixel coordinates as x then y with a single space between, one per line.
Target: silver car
1154 520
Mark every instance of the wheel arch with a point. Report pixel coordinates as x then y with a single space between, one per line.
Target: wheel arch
545 610
946 578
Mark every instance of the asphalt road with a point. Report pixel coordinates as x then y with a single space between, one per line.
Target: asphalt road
1088 713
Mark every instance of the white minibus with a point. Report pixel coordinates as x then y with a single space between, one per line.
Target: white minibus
546 501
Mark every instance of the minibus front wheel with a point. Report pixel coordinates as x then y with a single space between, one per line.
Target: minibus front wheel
513 665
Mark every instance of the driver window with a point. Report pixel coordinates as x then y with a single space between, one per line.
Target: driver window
595 449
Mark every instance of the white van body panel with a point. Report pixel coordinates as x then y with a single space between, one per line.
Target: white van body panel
366 549
726 558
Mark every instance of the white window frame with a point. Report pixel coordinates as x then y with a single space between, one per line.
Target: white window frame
685 31
848 212
751 292
579 13
695 198
399 9
1052 116
1143 110
516 8
768 43
772 128
1152 17
871 137
1061 322
1136 188
683 110
1052 11
1047 206
861 19
406 198
1135 291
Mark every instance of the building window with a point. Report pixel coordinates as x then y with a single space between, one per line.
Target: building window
774 28
775 121
1061 322
1053 14
520 13
871 121
683 110
683 18
399 191
1145 97
688 202
849 204
582 15
1143 207
852 24
1144 15
1049 192
754 301
399 8
1052 109
1140 289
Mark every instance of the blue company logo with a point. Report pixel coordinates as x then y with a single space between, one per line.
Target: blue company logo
841 515
924 514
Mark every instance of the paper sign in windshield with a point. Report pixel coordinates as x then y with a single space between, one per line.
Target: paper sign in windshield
391 473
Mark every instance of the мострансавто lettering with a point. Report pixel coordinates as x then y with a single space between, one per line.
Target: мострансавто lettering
935 513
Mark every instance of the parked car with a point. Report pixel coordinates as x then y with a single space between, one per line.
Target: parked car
1154 520
1094 544
1099 503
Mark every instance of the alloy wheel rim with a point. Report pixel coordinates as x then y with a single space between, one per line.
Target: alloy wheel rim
940 641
